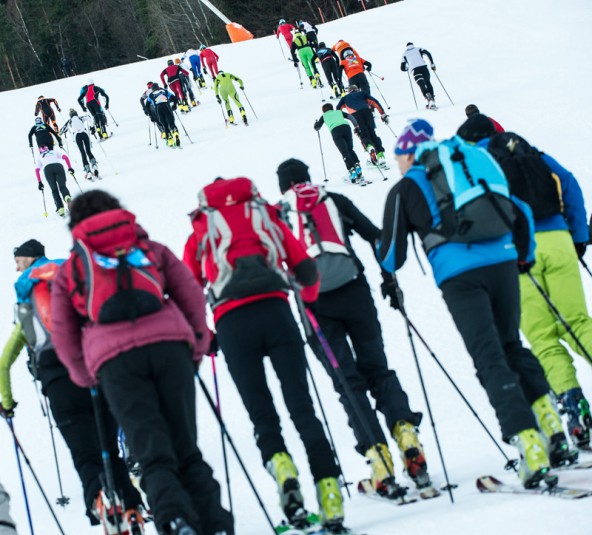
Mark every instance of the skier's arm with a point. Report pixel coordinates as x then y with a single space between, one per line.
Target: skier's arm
162 77
424 52
11 351
351 119
102 92
293 51
355 219
319 123
340 71
216 86
67 160
190 258
37 108
373 103
404 65
216 55
30 136
523 231
81 98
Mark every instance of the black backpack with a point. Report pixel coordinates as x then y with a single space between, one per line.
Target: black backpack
529 177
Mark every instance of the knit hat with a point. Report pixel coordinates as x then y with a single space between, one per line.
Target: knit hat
292 171
416 132
470 109
31 248
476 128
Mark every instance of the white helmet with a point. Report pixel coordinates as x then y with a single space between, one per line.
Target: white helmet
90 81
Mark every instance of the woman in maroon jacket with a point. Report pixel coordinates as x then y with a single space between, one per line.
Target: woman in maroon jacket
145 367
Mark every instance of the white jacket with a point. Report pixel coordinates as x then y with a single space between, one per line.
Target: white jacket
413 56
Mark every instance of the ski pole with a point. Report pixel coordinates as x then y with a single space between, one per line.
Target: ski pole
28 463
238 457
412 90
322 157
443 87
392 131
372 73
62 500
156 137
111 115
33 154
183 127
320 86
585 266
149 132
559 316
74 177
249 102
299 75
410 335
21 475
388 107
223 114
110 481
219 409
45 214
281 48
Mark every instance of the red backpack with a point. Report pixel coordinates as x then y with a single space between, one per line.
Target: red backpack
316 222
112 273
240 245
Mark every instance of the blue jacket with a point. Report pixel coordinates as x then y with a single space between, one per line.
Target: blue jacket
25 283
358 100
418 213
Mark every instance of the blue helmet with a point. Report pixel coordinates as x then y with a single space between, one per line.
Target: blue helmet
282 21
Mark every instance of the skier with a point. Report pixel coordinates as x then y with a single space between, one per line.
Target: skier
142 352
7 525
51 163
472 109
286 30
253 320
194 59
413 61
307 57
341 47
342 137
561 234
43 135
209 59
43 107
353 66
70 405
323 222
224 90
79 126
90 94
186 84
165 103
149 109
479 282
361 105
330 61
311 32
173 73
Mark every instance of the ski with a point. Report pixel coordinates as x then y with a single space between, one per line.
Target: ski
490 485
585 465
366 489
313 527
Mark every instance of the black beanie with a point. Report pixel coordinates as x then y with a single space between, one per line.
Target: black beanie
476 128
31 248
292 171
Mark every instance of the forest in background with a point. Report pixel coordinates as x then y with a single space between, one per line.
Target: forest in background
36 35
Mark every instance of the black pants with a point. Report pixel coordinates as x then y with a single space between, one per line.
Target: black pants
72 411
151 392
485 306
367 125
98 114
166 117
186 85
56 178
342 136
332 73
312 39
422 78
349 311
361 81
83 142
267 328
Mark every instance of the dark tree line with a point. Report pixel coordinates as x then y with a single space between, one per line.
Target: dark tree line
35 35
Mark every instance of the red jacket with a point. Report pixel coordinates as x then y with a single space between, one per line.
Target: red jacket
172 72
208 55
286 30
84 347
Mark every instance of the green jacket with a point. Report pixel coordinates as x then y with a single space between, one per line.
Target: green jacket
15 344
223 83
335 118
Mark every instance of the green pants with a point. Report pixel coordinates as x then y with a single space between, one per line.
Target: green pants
231 95
557 271
305 55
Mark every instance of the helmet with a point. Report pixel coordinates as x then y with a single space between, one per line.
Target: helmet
43 150
177 61
282 21
38 120
73 112
409 43
170 62
155 86
90 81
348 54
352 88
40 96
149 84
202 47
322 44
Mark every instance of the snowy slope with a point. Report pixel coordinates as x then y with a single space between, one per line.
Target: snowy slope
524 63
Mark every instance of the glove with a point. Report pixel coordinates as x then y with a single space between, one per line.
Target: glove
296 63
8 413
241 88
106 106
391 290
368 66
385 119
580 249
433 67
59 110
61 146
218 99
317 126
174 107
166 86
214 347
205 71
71 171
83 109
40 186
357 131
30 146
524 267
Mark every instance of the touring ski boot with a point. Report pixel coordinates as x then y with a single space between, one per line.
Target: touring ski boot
412 455
336 91
381 160
110 514
230 117
551 427
163 135
171 140
313 81
317 77
176 138
104 134
579 420
353 175
244 116
283 470
201 81
534 463
330 504
179 527
383 472
87 172
359 170
372 153
61 211
95 167
68 201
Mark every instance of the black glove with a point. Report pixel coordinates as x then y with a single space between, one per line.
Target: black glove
357 131
30 146
214 347
433 67
71 171
218 99
390 289
8 413
296 63
242 88
40 186
59 110
524 267
83 109
174 107
368 66
106 106
317 125
61 146
385 118
580 249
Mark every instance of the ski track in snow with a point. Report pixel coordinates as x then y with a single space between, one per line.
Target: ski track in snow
523 63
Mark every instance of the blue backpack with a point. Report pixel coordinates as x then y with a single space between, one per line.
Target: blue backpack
471 192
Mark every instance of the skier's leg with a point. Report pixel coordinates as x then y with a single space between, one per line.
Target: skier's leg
61 181
51 174
81 147
86 141
343 145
